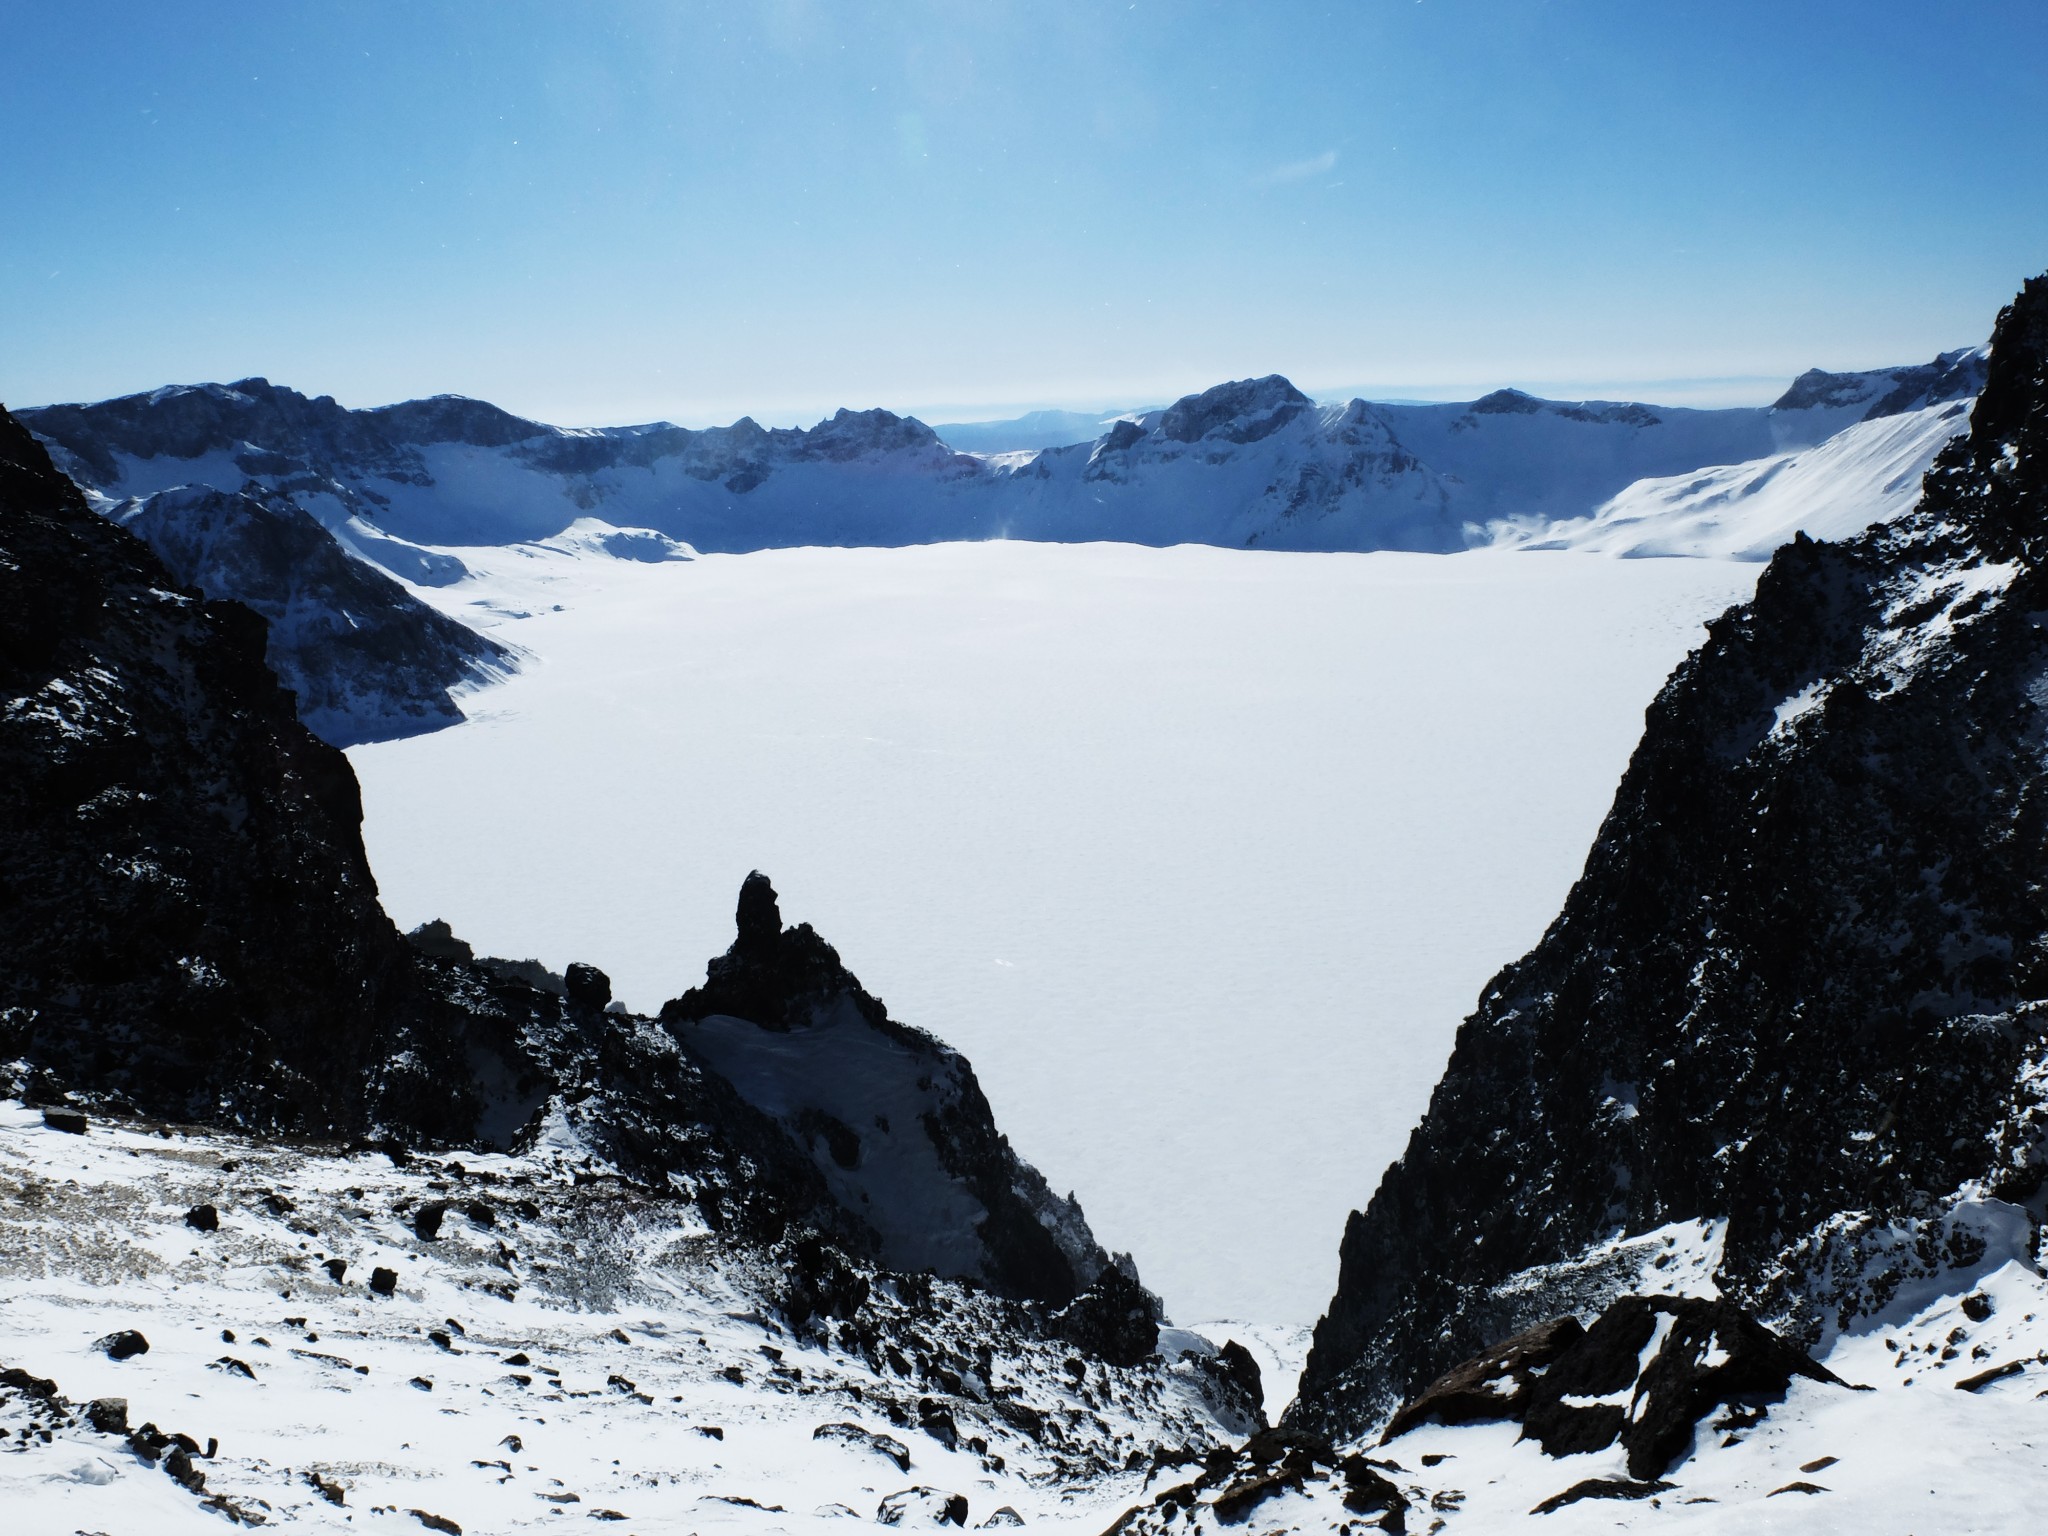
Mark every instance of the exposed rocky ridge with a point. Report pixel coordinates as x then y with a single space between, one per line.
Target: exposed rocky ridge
1799 984
1953 375
366 659
190 931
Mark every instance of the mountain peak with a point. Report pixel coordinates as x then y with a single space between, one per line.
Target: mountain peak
1242 411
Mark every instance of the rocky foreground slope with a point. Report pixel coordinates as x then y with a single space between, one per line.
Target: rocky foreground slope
1799 986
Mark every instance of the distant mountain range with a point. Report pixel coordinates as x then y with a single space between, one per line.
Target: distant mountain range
1254 462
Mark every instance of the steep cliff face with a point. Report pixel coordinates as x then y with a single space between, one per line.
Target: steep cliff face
1798 987
186 914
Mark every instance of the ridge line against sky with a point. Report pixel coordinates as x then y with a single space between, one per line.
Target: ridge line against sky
636 210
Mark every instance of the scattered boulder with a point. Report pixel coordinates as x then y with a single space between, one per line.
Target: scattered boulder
1601 1488
335 1268
383 1281
108 1415
922 1507
60 1118
1488 1385
1003 1516
426 1221
203 1218
866 1440
436 1522
1983 1379
124 1345
228 1365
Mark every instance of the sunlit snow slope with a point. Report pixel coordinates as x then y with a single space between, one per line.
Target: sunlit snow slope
1200 854
1864 474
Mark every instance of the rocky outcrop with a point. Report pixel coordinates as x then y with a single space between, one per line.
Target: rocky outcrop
894 1120
1646 1372
1799 985
366 660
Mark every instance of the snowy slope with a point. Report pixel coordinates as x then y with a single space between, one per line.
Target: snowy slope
556 1344
561 1350
1179 846
1868 472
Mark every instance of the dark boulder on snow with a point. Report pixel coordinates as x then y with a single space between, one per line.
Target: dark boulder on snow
1576 1389
203 1218
886 1446
124 1345
922 1507
1802 981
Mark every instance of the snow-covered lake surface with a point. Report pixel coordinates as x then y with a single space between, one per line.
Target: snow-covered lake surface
1200 855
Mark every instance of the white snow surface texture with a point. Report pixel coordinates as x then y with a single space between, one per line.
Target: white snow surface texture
1199 855
589 1357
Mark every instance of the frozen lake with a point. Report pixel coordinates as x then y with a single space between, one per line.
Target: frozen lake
1200 855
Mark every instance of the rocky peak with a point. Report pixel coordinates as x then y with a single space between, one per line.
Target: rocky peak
1243 411
1506 402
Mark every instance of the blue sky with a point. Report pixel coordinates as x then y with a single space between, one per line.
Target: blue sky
611 212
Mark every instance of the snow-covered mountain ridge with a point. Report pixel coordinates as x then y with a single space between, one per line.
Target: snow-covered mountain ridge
1251 462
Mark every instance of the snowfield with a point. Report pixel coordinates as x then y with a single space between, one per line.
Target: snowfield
1199 855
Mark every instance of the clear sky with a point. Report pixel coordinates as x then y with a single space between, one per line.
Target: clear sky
609 212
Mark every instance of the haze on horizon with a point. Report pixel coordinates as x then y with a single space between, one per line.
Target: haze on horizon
637 210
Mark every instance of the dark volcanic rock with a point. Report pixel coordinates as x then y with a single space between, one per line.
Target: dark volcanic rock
587 987
125 1345
1800 983
1490 1384
1115 1318
203 1218
1547 1378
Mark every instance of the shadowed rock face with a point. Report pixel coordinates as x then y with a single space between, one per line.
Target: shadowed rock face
366 659
1798 985
186 913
